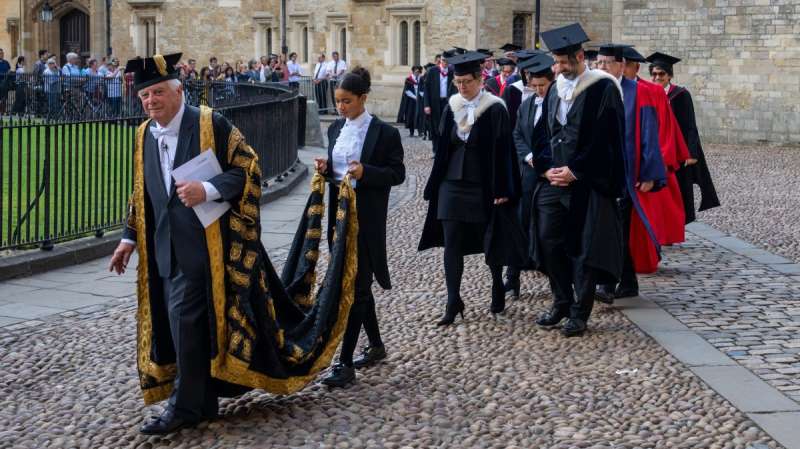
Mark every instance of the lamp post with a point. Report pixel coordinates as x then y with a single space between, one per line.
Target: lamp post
46 16
538 13
284 47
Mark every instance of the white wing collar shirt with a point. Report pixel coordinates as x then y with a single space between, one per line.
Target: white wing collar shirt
167 139
349 144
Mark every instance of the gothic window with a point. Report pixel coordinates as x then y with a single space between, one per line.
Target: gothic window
268 34
147 29
417 42
518 30
403 43
305 44
343 43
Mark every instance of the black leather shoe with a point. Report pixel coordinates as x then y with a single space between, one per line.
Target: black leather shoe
574 327
450 313
604 294
341 376
167 423
369 356
512 286
551 318
498 300
626 292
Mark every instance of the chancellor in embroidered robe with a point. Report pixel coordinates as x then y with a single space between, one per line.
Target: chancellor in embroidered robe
578 238
474 187
213 316
695 170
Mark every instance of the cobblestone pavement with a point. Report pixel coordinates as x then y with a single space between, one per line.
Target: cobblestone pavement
758 191
485 382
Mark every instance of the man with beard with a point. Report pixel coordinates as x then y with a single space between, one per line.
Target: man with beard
695 169
578 241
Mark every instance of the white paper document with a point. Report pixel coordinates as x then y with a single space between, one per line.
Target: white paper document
202 168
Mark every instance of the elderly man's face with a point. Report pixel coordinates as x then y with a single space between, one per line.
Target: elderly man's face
610 65
161 101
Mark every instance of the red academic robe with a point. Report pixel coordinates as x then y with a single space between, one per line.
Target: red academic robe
666 206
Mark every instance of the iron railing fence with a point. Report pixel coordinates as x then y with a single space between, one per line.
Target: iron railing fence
62 178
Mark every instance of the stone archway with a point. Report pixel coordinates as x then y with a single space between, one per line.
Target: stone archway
74 34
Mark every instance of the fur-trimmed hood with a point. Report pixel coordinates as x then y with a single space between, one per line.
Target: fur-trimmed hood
587 79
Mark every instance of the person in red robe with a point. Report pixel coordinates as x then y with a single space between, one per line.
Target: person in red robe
497 85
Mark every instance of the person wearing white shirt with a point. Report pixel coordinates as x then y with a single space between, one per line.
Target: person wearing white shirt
336 67
371 153
294 71
319 77
531 143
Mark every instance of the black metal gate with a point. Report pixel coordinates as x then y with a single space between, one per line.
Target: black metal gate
74 28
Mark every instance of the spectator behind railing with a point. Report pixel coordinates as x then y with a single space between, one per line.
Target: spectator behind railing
113 80
72 67
52 88
41 63
19 94
294 71
5 68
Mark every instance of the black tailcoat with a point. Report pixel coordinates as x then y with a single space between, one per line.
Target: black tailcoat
499 179
594 232
512 98
382 158
433 94
688 176
408 106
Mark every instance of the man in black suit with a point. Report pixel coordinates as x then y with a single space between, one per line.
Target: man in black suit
175 241
438 88
531 142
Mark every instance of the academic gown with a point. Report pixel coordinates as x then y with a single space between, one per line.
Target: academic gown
497 87
512 97
503 242
408 106
593 232
433 95
697 174
643 162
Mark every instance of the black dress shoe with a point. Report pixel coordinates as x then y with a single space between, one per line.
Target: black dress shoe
512 286
369 356
498 300
551 318
167 423
626 292
605 294
453 309
574 327
341 376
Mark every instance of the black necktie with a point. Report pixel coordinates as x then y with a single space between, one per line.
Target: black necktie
335 67
319 67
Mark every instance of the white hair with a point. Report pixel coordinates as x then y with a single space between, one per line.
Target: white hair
71 55
174 83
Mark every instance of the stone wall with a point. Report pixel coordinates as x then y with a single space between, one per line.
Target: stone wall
741 61
8 9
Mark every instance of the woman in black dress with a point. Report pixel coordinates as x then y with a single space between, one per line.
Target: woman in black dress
372 153
474 187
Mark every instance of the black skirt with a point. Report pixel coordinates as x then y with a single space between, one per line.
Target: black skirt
461 201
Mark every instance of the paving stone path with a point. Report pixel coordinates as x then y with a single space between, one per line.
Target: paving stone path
69 380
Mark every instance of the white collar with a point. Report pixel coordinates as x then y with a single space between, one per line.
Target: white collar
360 121
474 102
174 124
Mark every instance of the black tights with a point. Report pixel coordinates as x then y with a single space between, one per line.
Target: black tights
455 234
361 313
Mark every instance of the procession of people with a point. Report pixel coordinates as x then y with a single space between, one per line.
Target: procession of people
542 161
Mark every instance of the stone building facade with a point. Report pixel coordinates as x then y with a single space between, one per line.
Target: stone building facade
741 57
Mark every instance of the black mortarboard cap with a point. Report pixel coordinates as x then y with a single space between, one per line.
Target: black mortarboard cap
537 64
565 40
510 47
591 55
615 50
505 61
149 71
662 60
453 51
527 53
429 65
631 55
485 51
467 63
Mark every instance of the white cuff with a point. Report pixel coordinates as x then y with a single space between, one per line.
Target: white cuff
529 157
212 194
128 241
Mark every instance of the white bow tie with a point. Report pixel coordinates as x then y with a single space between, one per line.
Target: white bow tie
162 132
566 87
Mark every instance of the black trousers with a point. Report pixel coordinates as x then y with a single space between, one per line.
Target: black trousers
435 126
321 95
628 280
571 281
362 313
193 396
455 235
525 206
